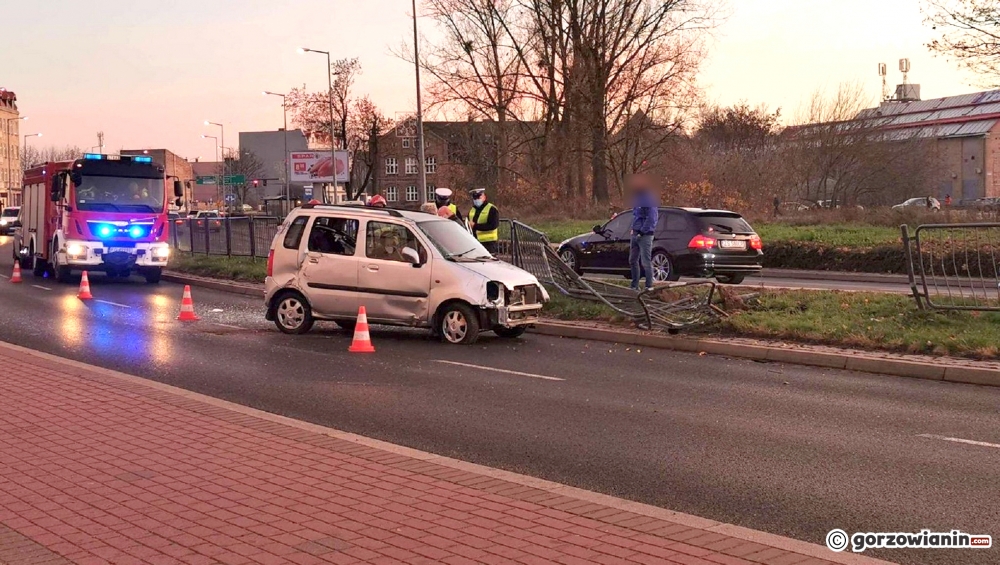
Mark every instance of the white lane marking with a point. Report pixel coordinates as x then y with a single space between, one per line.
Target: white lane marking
495 370
4 276
960 440
113 303
41 287
228 326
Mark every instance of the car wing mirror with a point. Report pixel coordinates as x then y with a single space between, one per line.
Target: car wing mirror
599 230
411 256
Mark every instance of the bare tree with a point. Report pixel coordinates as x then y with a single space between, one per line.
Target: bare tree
250 166
970 34
366 127
32 155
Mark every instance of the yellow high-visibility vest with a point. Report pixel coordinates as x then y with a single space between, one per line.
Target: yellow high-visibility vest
483 236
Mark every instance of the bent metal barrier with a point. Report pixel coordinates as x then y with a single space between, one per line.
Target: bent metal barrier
672 306
954 266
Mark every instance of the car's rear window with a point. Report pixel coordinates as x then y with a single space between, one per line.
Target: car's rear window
9 212
725 223
294 235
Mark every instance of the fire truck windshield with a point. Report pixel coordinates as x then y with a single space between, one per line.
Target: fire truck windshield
118 194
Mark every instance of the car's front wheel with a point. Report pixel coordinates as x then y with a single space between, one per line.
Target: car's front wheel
293 315
663 267
571 258
458 324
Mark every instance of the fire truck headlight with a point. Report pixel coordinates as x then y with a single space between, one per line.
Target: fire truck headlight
75 250
136 232
104 230
161 252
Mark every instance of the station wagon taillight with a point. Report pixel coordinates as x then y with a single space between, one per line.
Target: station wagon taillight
270 263
701 242
756 243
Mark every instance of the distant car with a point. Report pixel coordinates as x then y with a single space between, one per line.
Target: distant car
920 202
211 219
689 242
10 219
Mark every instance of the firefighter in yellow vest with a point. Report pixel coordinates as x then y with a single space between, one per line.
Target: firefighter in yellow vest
484 220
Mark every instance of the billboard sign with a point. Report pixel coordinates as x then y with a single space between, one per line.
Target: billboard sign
316 166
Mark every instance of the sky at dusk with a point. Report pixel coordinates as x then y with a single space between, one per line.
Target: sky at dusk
148 73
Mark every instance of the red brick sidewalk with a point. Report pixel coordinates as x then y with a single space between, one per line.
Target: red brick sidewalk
98 467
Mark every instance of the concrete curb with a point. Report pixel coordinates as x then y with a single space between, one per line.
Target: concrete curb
848 361
246 289
689 520
840 276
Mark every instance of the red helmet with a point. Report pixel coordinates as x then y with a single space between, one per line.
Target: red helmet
378 201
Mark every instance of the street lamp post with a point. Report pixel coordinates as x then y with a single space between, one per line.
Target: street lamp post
420 113
218 181
222 142
10 159
284 111
333 146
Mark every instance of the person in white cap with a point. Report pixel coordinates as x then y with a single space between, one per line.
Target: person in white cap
442 199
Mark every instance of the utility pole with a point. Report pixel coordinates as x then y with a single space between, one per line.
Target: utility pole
420 113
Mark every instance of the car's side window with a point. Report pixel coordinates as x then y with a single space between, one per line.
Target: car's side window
386 241
673 222
333 236
293 238
620 225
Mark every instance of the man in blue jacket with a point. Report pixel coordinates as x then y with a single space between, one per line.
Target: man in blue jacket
645 210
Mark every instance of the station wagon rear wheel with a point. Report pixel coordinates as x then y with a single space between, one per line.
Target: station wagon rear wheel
458 324
293 315
663 268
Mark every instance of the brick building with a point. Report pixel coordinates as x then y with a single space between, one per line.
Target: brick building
174 166
458 155
10 150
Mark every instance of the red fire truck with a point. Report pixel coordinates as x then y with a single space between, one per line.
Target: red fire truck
98 213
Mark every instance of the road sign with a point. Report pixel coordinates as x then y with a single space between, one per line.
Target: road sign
307 192
206 180
230 198
235 179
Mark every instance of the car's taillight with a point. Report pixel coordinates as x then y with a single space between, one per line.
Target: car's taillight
270 263
756 243
701 242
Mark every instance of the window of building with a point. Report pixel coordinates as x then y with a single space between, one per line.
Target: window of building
406 143
391 166
334 236
411 165
412 194
391 194
431 165
386 241
430 192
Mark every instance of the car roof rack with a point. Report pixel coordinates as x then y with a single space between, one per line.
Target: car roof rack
390 211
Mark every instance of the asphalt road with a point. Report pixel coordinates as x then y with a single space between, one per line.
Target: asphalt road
791 450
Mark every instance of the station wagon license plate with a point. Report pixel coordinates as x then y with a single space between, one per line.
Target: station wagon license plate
733 244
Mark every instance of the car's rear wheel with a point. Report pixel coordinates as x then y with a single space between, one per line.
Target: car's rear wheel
663 267
730 279
458 324
293 315
570 257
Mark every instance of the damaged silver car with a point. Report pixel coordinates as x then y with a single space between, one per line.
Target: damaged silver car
406 268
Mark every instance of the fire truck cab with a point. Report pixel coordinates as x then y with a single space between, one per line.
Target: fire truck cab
98 213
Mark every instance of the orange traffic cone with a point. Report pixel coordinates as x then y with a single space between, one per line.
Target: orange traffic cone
16 276
362 341
187 307
84 288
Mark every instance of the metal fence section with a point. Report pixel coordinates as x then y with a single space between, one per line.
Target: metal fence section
672 306
245 236
954 266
